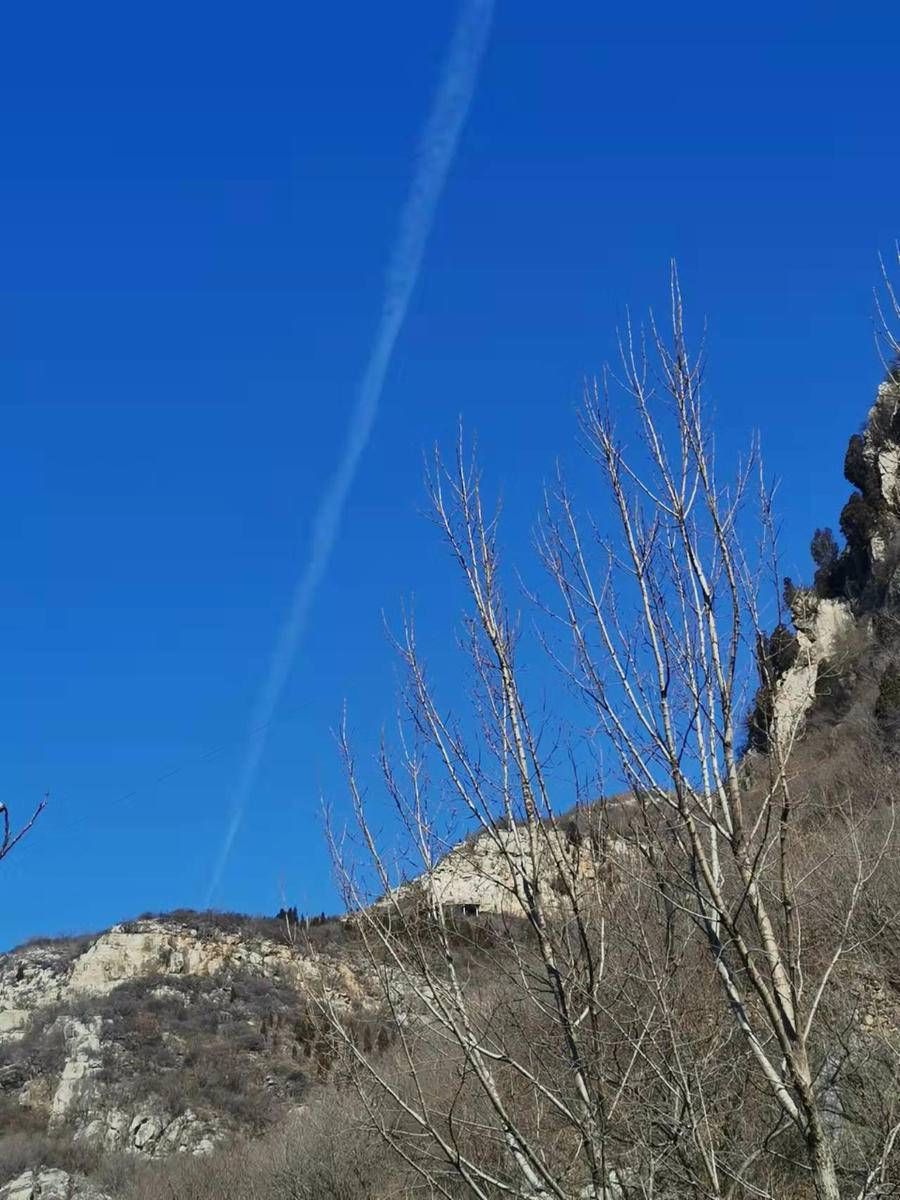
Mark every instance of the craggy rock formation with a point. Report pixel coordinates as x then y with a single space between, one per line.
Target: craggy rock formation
865 572
856 589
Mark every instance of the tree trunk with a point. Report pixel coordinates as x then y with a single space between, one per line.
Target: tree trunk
825 1170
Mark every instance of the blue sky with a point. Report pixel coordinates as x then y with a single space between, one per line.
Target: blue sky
196 213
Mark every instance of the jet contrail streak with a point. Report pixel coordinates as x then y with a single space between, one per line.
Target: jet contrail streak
436 150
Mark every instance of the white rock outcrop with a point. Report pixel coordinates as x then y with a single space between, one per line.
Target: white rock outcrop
83 1062
152 1132
478 874
148 948
821 625
49 1183
33 977
881 445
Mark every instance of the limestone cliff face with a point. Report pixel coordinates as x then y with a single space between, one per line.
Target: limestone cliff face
856 584
821 626
173 1034
147 948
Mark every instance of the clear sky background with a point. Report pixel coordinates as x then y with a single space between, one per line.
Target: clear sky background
197 209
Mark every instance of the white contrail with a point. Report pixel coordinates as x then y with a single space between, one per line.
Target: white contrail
436 150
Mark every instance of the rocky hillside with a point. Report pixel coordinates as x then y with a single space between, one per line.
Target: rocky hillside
180 1034
165 1035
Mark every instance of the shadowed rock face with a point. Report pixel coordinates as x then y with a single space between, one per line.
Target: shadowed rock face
857 583
866 571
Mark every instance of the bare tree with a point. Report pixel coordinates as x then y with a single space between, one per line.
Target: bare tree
10 836
887 308
668 692
651 970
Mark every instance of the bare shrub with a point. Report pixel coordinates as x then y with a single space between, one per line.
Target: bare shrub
23 1151
67 947
328 1152
228 1046
39 1051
